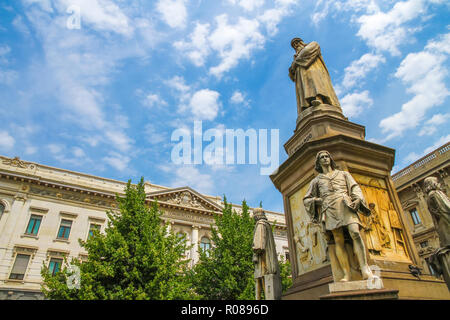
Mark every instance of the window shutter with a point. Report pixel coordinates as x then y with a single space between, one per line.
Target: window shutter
21 263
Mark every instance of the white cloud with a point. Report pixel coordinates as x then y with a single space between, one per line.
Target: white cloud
237 97
248 5
29 150
154 100
78 152
425 74
117 161
359 69
353 104
192 177
205 104
385 31
438 143
119 140
173 12
198 48
7 76
6 141
55 149
102 15
153 136
234 42
431 125
413 156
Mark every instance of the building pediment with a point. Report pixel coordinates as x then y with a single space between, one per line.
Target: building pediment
184 198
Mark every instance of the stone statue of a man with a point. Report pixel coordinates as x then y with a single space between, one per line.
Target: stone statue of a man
333 199
312 80
439 207
267 272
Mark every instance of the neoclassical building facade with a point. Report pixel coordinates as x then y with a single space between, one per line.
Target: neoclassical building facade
45 210
409 185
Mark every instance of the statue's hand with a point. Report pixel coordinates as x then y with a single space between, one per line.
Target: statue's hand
355 205
318 201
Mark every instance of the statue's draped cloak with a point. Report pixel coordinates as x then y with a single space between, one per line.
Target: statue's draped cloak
337 192
439 206
265 263
311 77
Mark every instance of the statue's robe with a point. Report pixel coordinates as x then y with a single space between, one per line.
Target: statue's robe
267 262
311 77
337 193
439 206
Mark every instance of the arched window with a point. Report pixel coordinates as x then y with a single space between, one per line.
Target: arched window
205 245
2 209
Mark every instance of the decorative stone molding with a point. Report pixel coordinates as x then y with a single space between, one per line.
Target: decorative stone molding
15 162
96 219
24 249
41 210
56 253
70 215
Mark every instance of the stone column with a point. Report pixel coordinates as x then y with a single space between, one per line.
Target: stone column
14 216
194 241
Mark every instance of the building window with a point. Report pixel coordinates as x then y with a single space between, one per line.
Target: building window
55 266
92 228
20 266
64 229
286 254
205 245
415 216
33 225
424 244
2 209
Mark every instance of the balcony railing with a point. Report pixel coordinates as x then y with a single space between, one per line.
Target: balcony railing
422 161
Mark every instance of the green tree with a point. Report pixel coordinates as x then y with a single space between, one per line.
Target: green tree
226 271
285 273
136 258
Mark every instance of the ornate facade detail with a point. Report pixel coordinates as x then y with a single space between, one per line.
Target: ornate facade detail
15 162
184 198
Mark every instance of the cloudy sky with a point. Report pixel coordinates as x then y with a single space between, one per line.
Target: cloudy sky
99 86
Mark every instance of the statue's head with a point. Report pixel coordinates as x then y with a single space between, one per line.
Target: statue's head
321 158
296 42
258 214
431 183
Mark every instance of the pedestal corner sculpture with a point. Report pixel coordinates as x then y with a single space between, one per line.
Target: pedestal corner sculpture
267 271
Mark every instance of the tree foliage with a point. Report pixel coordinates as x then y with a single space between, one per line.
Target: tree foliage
136 258
226 272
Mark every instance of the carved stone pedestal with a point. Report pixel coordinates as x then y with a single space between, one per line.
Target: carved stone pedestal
374 294
389 246
273 289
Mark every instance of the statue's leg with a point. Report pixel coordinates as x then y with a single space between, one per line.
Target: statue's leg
360 250
341 253
258 289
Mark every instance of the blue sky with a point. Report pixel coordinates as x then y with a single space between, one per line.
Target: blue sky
105 98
